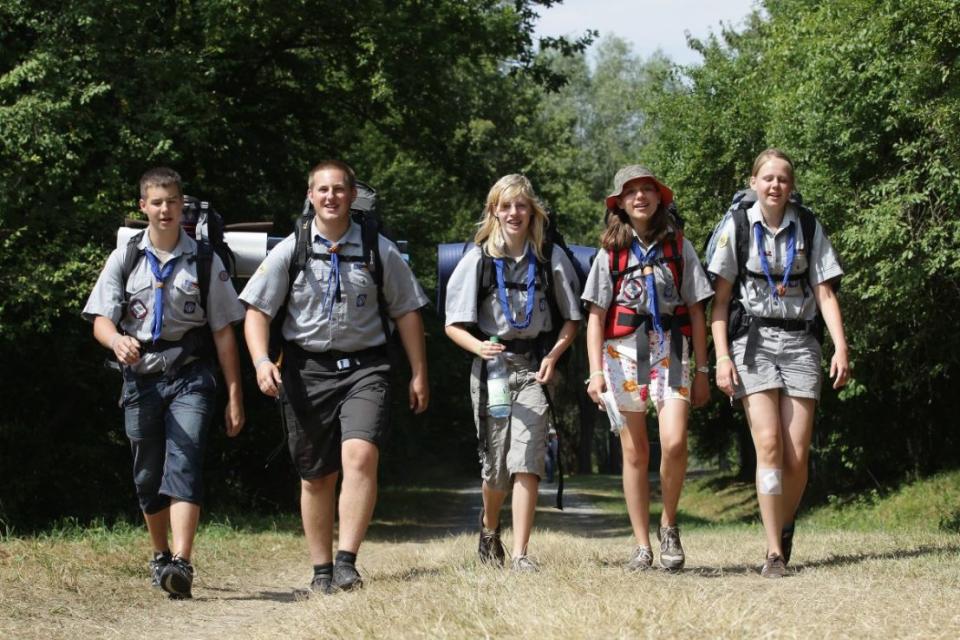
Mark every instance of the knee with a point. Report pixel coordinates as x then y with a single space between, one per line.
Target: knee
319 486
768 447
674 451
359 456
636 456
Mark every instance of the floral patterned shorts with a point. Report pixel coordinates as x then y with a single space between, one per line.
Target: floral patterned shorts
620 373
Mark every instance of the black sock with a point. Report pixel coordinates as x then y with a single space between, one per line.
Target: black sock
325 569
345 557
157 555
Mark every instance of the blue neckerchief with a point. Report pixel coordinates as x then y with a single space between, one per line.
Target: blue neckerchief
531 290
334 279
765 264
649 259
160 276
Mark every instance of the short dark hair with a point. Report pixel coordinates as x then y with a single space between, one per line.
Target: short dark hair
334 164
160 177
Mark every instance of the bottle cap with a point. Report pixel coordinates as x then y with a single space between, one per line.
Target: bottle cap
495 339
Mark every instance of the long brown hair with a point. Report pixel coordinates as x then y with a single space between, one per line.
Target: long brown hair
619 232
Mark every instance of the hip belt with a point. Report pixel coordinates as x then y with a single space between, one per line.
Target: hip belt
753 333
338 360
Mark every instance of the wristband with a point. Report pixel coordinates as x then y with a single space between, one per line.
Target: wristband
259 361
722 358
593 374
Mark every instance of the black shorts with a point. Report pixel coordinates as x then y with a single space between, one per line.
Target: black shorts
332 398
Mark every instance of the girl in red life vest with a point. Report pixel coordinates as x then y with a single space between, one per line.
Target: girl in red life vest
645 292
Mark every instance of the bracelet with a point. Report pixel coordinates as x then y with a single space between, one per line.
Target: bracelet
593 374
722 358
259 361
704 369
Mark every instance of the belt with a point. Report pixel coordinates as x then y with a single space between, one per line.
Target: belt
753 333
338 360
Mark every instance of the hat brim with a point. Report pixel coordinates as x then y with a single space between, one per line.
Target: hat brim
666 193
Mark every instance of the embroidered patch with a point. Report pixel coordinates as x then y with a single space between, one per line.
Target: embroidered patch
189 306
361 299
224 276
543 304
722 242
632 289
137 309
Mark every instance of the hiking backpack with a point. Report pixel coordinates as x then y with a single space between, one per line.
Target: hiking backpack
363 211
205 225
622 320
743 200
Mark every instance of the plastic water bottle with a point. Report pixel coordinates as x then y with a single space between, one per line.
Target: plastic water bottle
498 385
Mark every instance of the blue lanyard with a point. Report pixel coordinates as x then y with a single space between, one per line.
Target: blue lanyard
776 290
531 291
333 280
160 276
649 259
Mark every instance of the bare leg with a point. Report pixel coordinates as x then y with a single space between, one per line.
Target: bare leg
636 484
763 414
492 504
673 456
158 526
316 511
184 517
524 505
796 424
358 495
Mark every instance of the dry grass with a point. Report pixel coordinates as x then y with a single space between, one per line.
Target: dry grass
423 580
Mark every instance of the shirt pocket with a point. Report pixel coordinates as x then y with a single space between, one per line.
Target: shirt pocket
139 298
185 295
358 284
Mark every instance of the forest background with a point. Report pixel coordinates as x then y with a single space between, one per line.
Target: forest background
431 102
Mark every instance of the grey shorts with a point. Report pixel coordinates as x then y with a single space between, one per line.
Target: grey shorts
788 360
323 406
518 443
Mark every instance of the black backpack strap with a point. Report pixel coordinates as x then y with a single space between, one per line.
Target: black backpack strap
555 418
485 279
204 261
130 258
370 240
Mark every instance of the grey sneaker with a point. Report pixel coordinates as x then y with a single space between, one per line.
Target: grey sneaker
773 567
177 578
490 550
322 584
786 542
160 560
346 577
672 557
641 560
524 564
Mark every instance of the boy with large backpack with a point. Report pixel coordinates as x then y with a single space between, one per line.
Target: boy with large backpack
332 376
165 333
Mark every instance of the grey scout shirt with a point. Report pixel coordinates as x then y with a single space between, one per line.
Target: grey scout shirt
599 289
353 323
181 298
798 302
462 290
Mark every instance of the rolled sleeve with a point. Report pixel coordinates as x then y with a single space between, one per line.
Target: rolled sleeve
107 297
461 305
598 289
401 290
267 288
566 284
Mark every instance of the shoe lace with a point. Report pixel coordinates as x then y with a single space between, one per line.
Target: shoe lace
642 555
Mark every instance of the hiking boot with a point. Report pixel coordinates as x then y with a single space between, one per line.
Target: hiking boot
177 578
490 550
322 584
786 542
160 560
524 564
773 567
346 577
671 551
641 560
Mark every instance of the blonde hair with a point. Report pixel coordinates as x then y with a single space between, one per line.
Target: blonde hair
340 165
489 235
772 152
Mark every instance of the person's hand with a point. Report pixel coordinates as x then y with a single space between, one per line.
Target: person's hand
840 368
268 378
419 394
700 392
126 349
489 350
595 387
727 378
233 416
548 367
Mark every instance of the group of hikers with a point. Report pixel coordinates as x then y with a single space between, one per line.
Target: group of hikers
318 312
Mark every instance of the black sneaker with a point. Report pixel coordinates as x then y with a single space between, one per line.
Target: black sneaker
346 577
322 584
672 557
786 542
160 560
490 550
177 578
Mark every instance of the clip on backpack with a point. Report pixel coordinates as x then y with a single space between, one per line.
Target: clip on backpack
363 211
740 321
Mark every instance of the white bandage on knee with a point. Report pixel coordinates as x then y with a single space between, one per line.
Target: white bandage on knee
769 482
